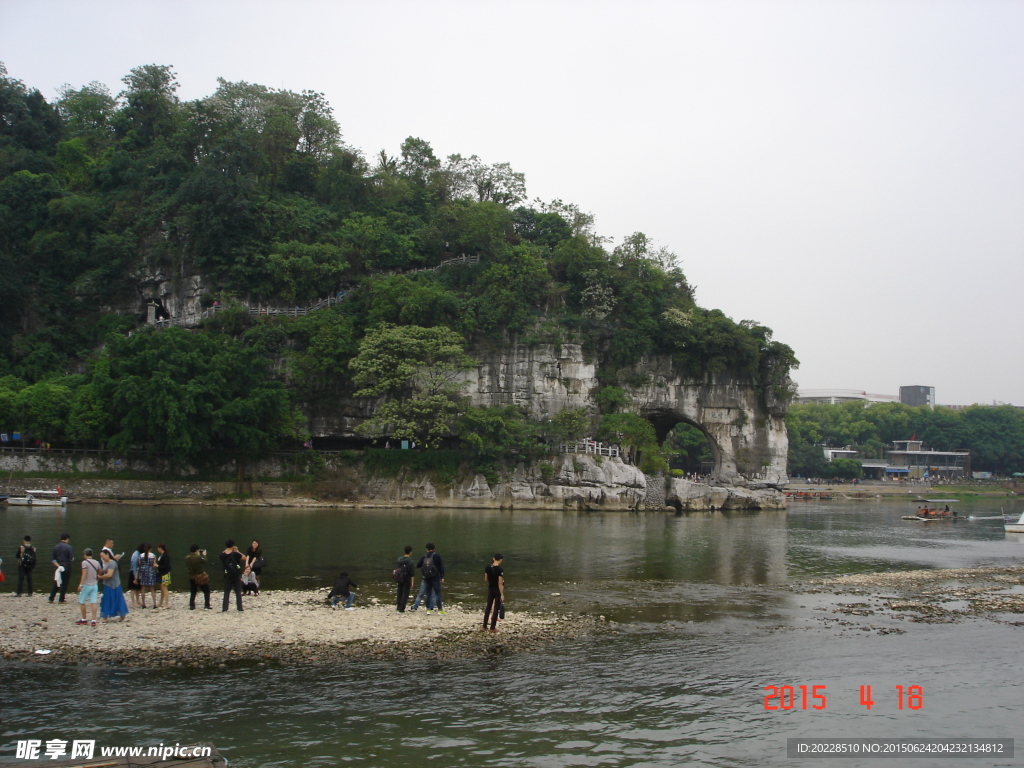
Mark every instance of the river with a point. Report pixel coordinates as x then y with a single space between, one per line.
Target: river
701 621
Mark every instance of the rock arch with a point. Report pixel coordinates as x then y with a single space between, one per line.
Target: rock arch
747 434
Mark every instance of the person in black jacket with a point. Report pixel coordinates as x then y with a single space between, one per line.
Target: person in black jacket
406 584
63 558
431 578
342 589
234 567
26 564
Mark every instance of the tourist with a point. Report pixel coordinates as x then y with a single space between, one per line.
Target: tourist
234 569
163 572
109 546
63 558
113 603
248 584
88 591
342 589
255 562
494 575
134 588
406 563
145 574
431 578
198 578
26 564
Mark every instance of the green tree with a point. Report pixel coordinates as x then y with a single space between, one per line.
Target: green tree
612 399
631 432
415 373
43 409
499 432
846 469
185 393
570 424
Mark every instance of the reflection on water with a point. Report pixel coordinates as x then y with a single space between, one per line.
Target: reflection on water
678 680
308 546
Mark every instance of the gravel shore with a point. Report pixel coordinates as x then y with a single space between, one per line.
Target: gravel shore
275 627
937 596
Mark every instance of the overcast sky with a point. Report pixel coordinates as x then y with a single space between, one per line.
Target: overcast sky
850 174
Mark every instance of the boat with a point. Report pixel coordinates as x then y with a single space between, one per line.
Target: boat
932 509
38 498
1017 527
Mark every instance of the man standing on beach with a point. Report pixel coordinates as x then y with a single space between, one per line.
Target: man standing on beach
63 558
198 579
431 578
232 560
494 575
405 585
26 563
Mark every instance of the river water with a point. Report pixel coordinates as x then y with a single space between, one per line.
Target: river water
702 623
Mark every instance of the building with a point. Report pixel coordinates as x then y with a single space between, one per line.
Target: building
910 458
836 396
839 453
917 396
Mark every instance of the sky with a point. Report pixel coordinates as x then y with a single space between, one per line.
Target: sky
850 174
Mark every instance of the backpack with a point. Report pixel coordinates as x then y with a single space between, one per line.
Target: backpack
231 567
403 571
429 569
28 557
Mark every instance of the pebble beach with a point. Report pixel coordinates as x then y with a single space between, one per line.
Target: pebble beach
275 627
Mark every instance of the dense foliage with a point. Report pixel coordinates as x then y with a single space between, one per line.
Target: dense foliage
993 435
102 195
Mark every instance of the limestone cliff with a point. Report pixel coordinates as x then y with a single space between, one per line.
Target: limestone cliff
748 440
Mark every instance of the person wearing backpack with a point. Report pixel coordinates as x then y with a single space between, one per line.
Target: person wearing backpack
26 564
233 562
405 570
431 578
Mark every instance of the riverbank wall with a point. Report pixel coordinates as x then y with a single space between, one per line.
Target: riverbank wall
566 482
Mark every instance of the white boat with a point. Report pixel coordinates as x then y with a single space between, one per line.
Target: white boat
1017 527
39 499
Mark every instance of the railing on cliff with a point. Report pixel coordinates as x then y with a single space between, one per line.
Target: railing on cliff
445 263
589 447
192 319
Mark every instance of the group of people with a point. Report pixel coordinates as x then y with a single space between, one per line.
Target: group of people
100 580
93 575
431 568
149 570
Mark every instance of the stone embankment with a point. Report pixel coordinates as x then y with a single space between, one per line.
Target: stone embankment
275 627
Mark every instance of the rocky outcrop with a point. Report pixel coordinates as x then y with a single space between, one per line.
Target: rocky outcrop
569 482
746 430
573 481
689 496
